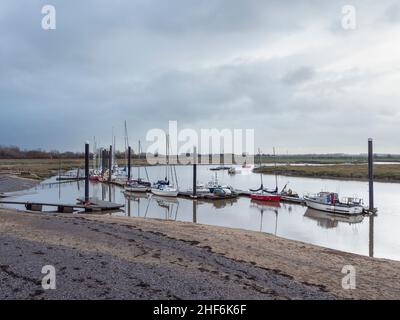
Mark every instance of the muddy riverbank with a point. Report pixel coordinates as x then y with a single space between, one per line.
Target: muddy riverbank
10 183
99 257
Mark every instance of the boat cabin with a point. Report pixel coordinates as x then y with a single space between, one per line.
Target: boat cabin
327 198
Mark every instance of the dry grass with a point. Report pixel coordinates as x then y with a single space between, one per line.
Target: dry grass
45 168
384 173
38 168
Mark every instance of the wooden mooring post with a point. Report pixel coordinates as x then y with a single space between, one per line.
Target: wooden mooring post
129 163
86 172
195 172
110 164
371 175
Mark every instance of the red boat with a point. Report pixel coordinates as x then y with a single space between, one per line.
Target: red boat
94 178
264 196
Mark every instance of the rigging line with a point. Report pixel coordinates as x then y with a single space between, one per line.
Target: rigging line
176 178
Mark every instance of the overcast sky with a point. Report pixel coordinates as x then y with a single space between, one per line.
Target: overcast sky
288 69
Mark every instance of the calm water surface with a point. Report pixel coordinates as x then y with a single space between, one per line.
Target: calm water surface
378 236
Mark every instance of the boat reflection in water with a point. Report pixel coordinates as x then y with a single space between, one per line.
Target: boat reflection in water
222 203
171 206
137 197
329 220
263 206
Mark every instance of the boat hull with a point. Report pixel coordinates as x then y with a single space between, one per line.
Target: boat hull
292 199
349 210
266 197
137 189
165 193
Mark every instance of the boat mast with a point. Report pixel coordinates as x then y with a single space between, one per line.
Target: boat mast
113 149
114 157
139 157
261 176
167 156
145 167
276 176
126 138
94 154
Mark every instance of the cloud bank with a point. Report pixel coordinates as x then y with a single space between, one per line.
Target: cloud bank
288 70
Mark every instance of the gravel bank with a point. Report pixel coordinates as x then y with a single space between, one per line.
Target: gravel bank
101 256
107 259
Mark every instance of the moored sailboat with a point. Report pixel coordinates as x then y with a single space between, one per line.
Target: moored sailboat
138 185
262 194
265 196
165 188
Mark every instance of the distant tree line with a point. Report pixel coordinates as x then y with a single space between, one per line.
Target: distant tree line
13 152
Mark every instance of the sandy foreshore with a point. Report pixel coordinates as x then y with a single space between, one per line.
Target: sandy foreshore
108 257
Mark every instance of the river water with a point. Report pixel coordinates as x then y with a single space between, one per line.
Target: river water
374 236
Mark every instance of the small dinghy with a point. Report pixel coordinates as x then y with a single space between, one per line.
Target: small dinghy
290 196
329 202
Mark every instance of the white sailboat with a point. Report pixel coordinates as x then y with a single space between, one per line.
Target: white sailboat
138 185
167 188
165 191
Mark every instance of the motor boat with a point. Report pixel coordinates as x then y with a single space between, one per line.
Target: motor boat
222 191
329 202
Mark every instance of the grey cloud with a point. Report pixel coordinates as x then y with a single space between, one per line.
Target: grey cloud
299 75
221 63
392 13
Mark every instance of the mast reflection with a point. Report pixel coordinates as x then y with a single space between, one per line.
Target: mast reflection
263 206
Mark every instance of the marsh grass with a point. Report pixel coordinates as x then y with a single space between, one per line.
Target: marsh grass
382 172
